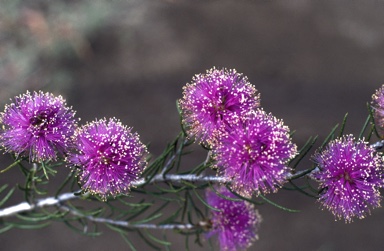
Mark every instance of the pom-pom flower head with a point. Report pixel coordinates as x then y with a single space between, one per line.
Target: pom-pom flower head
214 100
254 153
378 110
236 222
37 125
350 175
109 157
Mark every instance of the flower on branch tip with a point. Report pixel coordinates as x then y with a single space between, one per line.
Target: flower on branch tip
377 105
37 125
235 222
350 174
215 100
254 154
109 157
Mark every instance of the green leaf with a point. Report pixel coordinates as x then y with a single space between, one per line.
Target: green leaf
29 226
370 133
301 173
65 182
179 111
199 169
304 151
153 238
279 206
244 198
34 217
23 169
160 161
301 190
144 191
118 229
187 243
45 170
366 123
176 190
188 184
185 205
153 217
83 230
130 244
147 241
5 229
343 125
222 195
3 187
140 204
172 218
205 203
6 197
165 239
371 115
329 137
11 165
196 209
139 212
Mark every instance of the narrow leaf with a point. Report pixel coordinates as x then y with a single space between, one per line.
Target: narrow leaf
147 241
329 137
153 238
11 165
6 197
205 203
130 244
222 195
364 127
343 125
5 229
279 206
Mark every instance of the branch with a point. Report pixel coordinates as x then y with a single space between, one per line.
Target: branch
53 201
25 206
182 177
126 224
378 145
300 174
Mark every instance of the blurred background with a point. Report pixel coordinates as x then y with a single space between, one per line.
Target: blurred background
312 61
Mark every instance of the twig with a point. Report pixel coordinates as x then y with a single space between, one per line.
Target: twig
126 224
183 177
25 206
378 145
53 201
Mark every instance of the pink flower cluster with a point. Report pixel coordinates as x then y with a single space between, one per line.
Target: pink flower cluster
251 147
108 157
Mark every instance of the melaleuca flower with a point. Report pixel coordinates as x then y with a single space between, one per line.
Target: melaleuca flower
37 125
108 156
236 222
254 154
350 175
214 100
378 110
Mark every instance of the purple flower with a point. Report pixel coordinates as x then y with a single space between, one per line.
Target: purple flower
378 110
236 223
109 157
37 125
214 100
350 175
254 154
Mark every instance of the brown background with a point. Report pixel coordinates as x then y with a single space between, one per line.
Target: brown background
312 61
